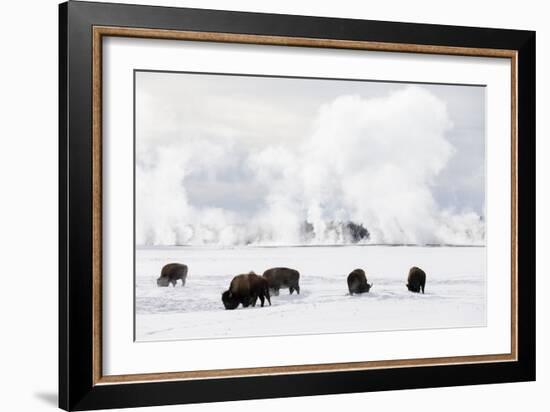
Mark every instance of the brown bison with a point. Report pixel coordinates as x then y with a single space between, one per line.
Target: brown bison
416 280
282 278
246 289
357 282
171 273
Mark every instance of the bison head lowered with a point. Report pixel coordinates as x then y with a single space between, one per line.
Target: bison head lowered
229 301
163 281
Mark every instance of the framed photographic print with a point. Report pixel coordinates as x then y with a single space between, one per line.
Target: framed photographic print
257 205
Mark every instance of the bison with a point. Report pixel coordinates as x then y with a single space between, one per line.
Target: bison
246 289
357 282
171 273
416 280
282 278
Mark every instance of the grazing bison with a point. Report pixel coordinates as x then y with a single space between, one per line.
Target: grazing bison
282 278
245 290
416 280
357 282
170 273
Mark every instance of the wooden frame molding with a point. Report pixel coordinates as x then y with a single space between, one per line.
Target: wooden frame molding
102 31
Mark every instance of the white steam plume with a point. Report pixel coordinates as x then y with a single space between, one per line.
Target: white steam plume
373 162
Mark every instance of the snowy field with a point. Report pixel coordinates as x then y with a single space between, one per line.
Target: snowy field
455 291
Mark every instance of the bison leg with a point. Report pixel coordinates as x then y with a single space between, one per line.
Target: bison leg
297 287
291 289
253 300
267 296
423 288
174 283
245 303
262 299
182 282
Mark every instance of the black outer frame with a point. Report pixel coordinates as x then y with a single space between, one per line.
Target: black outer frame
76 389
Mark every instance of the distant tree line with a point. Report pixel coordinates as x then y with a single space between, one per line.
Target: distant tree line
357 231
350 231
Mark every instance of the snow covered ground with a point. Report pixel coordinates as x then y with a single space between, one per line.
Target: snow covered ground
455 291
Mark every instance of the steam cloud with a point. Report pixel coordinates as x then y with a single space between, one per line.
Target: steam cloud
373 162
